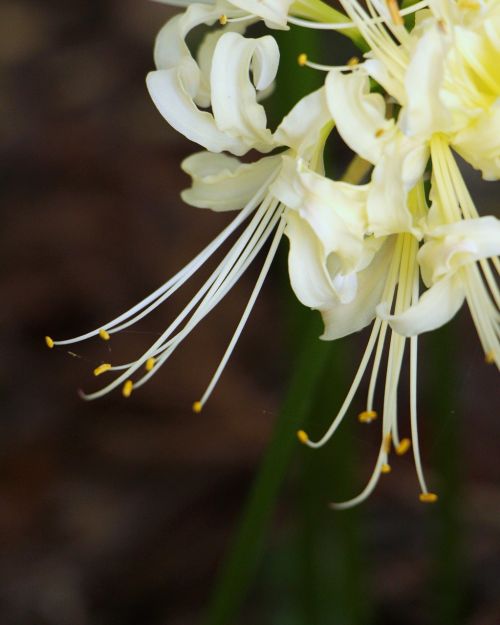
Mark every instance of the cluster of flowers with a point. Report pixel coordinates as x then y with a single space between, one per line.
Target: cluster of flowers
424 87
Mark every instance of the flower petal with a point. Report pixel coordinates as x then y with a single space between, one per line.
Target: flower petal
273 12
234 100
343 319
167 90
358 114
434 308
222 183
301 129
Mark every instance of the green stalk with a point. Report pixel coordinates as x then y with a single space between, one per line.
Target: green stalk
246 549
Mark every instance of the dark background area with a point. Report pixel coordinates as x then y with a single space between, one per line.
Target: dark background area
119 512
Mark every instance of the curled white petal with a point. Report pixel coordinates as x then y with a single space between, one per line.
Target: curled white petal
435 307
234 100
358 114
222 182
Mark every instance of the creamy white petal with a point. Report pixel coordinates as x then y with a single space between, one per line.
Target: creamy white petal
166 88
358 114
479 143
424 112
399 168
434 308
336 211
234 101
222 182
301 129
344 319
454 245
306 265
273 12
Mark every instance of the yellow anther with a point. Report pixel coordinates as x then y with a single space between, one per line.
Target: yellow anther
302 436
150 363
385 468
302 59
127 388
223 20
102 368
428 497
379 133
489 358
403 446
197 407
387 443
393 7
49 342
104 334
367 416
353 61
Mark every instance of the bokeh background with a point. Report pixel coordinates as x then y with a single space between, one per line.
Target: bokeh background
121 512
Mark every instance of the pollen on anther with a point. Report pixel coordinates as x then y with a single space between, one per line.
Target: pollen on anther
302 436
394 11
428 497
302 59
367 416
150 363
223 20
353 61
49 342
127 388
387 443
403 446
104 334
197 406
379 133
489 358
385 468
102 368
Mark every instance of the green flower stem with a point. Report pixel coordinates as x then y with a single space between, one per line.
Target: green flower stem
447 578
246 550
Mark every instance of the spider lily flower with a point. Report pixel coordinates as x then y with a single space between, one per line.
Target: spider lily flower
247 187
390 280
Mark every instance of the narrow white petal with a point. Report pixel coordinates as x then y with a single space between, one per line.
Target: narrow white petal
166 88
234 100
222 183
435 307
358 114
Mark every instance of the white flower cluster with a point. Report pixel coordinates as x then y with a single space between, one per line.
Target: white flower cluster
426 88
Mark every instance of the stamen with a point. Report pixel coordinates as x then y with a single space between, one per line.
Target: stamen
403 446
302 59
354 60
150 363
302 436
489 358
197 407
223 20
428 497
104 334
127 388
49 342
102 368
386 446
379 133
367 416
393 7
385 468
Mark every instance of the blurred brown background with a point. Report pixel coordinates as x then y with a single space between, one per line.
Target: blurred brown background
119 511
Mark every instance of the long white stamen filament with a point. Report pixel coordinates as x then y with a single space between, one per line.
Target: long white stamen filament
210 302
369 488
251 302
157 346
183 275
